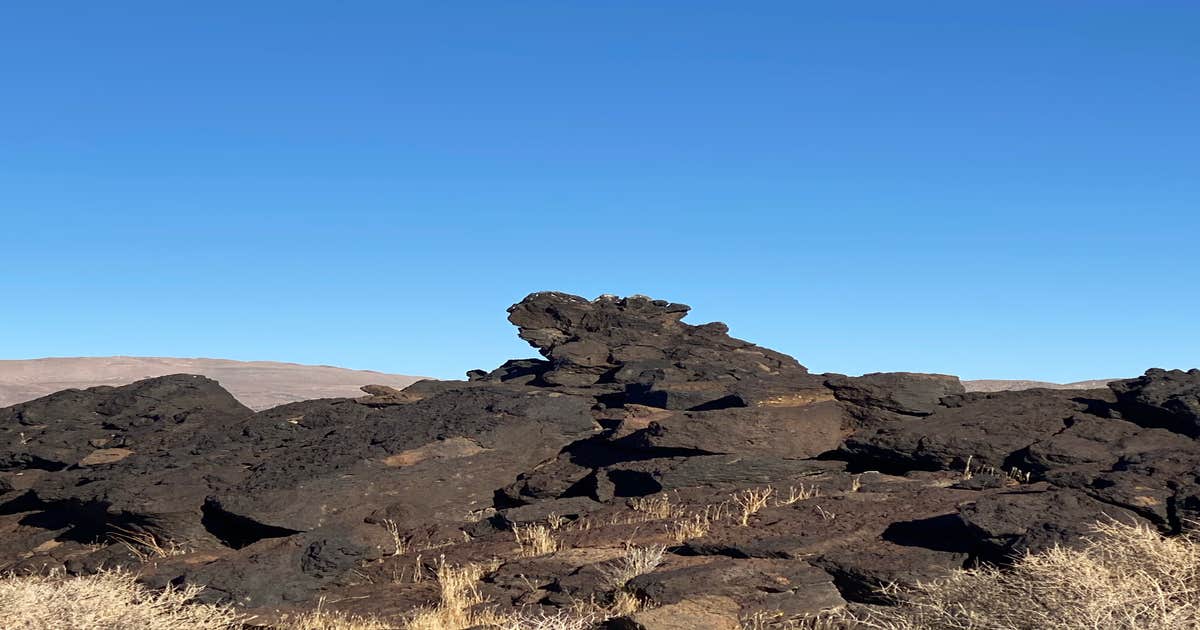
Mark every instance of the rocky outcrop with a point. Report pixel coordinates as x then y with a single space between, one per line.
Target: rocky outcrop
1162 398
639 346
766 488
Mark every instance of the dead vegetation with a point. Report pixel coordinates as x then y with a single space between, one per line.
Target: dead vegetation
535 540
751 502
634 562
145 546
105 601
322 619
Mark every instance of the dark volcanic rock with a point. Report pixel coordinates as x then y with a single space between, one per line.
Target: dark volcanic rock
862 573
988 428
150 416
792 586
360 459
124 457
642 344
651 476
211 478
1033 520
902 392
805 431
1162 398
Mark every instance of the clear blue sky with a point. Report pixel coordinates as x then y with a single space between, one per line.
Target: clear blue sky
1005 189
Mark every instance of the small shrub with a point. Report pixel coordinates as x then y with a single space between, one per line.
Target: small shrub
694 525
799 494
636 561
657 507
535 540
751 502
400 543
145 546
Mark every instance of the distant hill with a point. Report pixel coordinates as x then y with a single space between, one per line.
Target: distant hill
995 385
257 384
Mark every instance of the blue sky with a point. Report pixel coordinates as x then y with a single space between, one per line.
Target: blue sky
996 190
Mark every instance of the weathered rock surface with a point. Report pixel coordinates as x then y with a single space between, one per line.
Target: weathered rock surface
901 392
767 488
1170 399
640 345
986 427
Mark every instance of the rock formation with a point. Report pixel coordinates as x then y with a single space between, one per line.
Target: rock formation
771 488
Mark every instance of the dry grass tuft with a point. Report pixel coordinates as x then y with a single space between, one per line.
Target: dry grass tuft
145 546
462 606
655 507
400 543
776 620
535 540
636 561
321 619
750 502
105 601
459 597
799 494
548 621
556 522
695 525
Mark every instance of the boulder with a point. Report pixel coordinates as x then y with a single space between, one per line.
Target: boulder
642 344
793 587
986 428
1035 519
902 392
1162 398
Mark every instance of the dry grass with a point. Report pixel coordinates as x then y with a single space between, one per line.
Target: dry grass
548 621
751 501
622 603
459 597
764 620
556 522
105 601
636 561
462 606
535 540
1124 578
801 493
321 619
696 525
400 543
656 507
146 546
